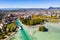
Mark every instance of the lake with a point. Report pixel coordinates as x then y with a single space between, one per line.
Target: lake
52 34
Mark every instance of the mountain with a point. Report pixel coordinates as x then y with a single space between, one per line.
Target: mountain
54 8
50 8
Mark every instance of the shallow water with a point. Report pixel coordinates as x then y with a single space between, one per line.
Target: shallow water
52 34
23 34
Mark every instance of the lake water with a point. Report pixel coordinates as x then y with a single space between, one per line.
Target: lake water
52 34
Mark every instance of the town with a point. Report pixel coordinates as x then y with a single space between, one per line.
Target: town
30 17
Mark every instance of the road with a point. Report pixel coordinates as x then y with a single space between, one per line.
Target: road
24 34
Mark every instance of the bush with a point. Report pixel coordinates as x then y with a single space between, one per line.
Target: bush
32 22
11 27
43 29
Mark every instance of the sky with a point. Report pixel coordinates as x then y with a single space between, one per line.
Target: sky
29 3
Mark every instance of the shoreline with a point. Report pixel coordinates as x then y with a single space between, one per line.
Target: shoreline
11 35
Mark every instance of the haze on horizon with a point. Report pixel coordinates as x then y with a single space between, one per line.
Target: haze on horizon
29 3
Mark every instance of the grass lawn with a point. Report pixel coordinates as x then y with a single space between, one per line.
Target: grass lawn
54 20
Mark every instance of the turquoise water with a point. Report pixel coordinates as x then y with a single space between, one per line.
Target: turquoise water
23 34
52 34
